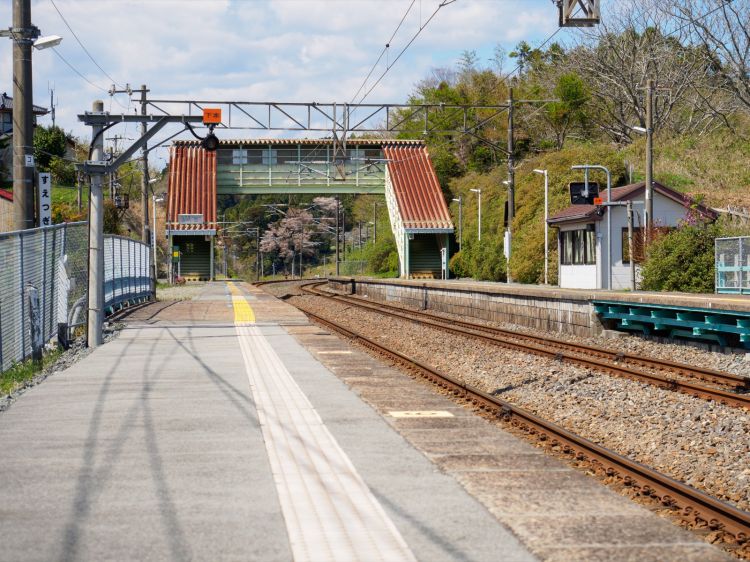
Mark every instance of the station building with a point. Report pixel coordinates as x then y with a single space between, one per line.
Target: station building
582 234
400 169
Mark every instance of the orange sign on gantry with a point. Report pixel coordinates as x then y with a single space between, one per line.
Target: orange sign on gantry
598 201
211 116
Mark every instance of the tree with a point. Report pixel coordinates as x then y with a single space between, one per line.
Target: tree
569 110
638 42
48 142
722 34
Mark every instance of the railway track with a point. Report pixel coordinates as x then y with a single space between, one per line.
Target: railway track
596 358
697 509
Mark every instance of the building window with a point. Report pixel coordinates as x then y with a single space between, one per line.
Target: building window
578 247
239 157
270 157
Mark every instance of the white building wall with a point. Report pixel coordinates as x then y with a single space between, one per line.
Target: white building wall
399 233
666 213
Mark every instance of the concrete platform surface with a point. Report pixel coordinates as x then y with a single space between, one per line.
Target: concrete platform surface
207 432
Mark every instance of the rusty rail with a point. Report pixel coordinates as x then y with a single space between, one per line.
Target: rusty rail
692 506
584 355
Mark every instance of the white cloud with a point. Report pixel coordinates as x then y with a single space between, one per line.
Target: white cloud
288 50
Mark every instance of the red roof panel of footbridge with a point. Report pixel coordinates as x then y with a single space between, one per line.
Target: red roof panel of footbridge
418 195
192 186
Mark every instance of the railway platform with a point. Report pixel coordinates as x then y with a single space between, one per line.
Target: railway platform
712 319
208 432
229 427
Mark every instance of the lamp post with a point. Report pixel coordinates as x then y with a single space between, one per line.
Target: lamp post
460 201
24 35
546 226
587 167
479 212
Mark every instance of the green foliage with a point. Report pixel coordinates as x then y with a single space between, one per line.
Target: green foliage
682 260
48 142
382 257
20 373
112 218
63 171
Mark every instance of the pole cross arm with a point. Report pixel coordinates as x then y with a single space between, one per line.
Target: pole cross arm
106 167
104 118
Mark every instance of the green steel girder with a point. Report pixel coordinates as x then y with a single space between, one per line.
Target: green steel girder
720 326
323 189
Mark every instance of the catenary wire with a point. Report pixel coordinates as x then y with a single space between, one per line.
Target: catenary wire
81 43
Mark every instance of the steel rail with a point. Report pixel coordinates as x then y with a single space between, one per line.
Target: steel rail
691 505
517 342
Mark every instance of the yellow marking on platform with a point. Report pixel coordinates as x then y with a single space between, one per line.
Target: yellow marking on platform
334 352
420 414
243 312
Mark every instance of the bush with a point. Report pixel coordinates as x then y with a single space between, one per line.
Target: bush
682 260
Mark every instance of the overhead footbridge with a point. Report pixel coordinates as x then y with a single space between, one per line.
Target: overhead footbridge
399 169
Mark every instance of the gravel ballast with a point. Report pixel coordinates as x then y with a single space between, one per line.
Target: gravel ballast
701 443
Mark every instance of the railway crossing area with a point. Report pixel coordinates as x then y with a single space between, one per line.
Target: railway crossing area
231 427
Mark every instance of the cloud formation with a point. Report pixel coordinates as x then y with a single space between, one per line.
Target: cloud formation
285 50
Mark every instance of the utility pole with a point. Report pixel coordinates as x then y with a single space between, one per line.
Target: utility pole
23 115
96 238
144 172
374 222
52 105
511 187
648 210
258 263
338 212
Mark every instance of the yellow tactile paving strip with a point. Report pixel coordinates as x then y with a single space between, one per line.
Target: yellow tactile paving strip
243 312
329 511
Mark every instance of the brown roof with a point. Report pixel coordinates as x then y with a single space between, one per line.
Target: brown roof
578 213
192 186
418 195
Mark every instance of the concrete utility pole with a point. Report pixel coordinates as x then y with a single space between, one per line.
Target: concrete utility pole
507 242
338 212
146 238
96 238
23 115
374 222
648 210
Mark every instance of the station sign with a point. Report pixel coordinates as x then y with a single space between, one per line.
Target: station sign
211 116
190 218
45 198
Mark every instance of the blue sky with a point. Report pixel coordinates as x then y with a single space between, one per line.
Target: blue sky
253 50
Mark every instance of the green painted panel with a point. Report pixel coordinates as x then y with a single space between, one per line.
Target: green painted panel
195 255
320 189
424 254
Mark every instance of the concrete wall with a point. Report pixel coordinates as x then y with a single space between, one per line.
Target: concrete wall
482 301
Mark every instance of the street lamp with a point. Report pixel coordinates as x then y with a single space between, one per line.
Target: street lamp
24 35
586 168
479 212
460 201
546 226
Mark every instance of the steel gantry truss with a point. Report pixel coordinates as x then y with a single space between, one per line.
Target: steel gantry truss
340 120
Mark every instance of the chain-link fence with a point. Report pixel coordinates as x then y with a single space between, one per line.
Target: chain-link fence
732 257
44 282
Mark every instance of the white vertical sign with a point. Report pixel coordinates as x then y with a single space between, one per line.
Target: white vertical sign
45 199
